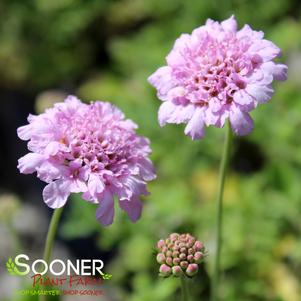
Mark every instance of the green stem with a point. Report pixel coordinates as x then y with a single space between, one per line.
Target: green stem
219 211
50 238
184 289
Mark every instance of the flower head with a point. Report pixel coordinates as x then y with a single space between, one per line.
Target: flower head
179 254
88 148
217 73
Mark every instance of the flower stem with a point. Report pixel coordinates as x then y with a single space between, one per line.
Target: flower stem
219 211
184 289
50 238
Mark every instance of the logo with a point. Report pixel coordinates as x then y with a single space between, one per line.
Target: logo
59 274
11 267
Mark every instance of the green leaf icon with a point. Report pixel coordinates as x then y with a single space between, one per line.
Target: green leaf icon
106 276
11 267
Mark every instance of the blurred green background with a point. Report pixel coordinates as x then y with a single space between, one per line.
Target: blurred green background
101 49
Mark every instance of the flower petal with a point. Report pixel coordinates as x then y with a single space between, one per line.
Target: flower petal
56 193
25 132
133 186
241 122
132 207
279 71
242 98
165 111
95 184
195 126
172 113
261 94
147 169
28 163
105 210
230 24
162 81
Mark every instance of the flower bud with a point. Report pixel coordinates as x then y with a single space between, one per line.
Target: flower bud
160 258
183 250
179 254
164 249
174 236
198 256
176 261
192 269
190 258
160 244
190 251
169 261
198 245
177 271
164 270
184 264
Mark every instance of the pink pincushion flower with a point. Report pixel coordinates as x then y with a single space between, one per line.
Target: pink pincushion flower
88 148
214 74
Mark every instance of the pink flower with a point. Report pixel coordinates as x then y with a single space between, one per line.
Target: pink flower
214 74
76 147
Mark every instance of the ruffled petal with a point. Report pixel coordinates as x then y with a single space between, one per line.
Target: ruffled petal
242 98
133 187
261 94
24 132
105 210
165 111
132 207
172 113
28 163
241 122
230 24
146 169
95 184
279 71
195 126
162 81
56 193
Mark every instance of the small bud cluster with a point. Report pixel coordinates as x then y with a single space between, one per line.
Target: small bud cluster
179 255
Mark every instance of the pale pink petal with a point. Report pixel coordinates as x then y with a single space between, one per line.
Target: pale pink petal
54 147
165 111
162 80
56 193
30 162
147 169
105 209
25 132
279 71
48 171
241 122
242 98
132 207
134 186
261 94
266 49
195 127
78 186
95 184
230 24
